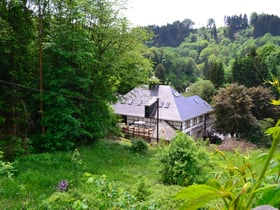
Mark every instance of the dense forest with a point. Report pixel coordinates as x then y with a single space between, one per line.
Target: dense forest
62 63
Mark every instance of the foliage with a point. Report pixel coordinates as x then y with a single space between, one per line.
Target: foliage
94 43
261 109
171 68
16 67
203 88
265 23
100 193
7 172
239 188
235 187
236 103
77 163
232 107
14 147
257 135
142 191
171 34
88 53
216 74
236 23
184 163
6 168
250 70
139 146
133 178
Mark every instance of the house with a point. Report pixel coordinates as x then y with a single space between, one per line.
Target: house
159 112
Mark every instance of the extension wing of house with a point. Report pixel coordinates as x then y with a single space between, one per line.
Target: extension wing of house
159 112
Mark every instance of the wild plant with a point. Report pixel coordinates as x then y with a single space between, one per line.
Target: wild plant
7 169
97 192
77 164
240 188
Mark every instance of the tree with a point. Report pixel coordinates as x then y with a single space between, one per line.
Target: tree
270 55
133 68
90 52
16 71
232 107
160 72
250 70
261 109
216 74
203 88
171 34
212 27
239 187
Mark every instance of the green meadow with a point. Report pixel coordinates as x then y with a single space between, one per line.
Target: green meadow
107 175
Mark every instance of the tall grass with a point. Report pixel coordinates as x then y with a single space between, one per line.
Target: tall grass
110 167
38 175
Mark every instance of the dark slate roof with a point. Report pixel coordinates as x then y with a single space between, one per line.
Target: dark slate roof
173 106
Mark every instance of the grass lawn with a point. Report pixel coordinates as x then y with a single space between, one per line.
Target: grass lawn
128 175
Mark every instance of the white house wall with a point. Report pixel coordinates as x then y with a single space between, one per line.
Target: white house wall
191 127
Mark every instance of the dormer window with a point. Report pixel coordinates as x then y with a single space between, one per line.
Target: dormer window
130 101
167 104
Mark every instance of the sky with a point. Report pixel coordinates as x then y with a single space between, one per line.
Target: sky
161 12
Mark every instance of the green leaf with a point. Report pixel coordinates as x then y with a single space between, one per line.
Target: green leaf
275 102
270 196
198 195
275 132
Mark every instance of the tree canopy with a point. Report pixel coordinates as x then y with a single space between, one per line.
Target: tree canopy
64 62
88 53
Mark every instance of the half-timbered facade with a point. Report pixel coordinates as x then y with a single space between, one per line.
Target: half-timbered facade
162 111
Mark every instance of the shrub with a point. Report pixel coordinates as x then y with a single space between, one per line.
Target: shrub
139 146
142 191
6 168
184 163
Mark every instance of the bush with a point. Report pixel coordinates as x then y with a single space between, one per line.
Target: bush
6 168
139 146
142 191
13 147
184 163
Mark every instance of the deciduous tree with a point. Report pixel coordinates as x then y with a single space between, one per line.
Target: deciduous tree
232 107
203 88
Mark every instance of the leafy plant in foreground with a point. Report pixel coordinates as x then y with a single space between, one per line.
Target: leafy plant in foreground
241 190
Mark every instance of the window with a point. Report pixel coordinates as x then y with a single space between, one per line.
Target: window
167 105
194 121
188 124
200 119
130 101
